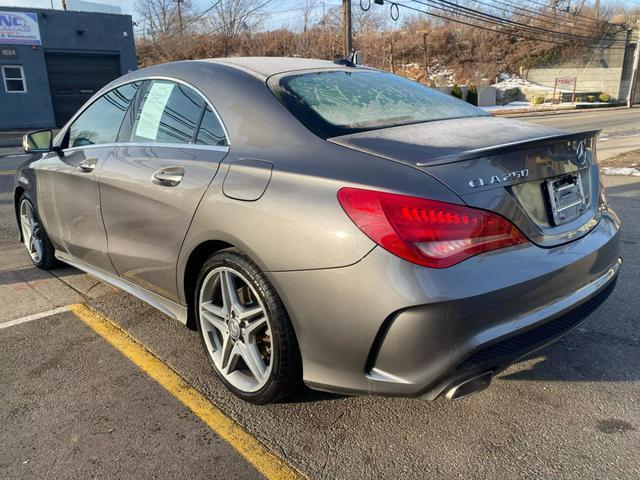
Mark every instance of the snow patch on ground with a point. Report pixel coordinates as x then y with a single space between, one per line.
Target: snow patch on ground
438 74
509 106
621 171
507 81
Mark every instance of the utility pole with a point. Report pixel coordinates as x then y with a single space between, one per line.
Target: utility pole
392 61
634 73
346 14
425 48
324 16
152 31
179 2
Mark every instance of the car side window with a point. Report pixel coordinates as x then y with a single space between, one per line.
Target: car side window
101 121
169 113
211 131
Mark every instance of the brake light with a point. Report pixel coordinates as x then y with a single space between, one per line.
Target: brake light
427 232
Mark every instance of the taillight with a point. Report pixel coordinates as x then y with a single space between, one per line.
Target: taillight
427 232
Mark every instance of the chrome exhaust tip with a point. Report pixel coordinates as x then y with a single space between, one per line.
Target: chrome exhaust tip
470 386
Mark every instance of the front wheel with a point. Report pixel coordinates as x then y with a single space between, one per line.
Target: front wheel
35 237
245 329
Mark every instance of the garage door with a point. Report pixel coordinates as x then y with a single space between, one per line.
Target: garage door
74 78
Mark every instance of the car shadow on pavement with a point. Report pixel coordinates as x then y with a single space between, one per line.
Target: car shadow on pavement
307 395
30 274
591 356
603 349
631 189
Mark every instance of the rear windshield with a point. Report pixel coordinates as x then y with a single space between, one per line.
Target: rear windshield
337 102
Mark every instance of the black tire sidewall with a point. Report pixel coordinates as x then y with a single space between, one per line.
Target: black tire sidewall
277 319
48 259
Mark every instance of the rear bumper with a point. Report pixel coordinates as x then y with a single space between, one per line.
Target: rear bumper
385 326
498 354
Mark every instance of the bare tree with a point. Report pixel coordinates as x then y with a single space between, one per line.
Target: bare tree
161 16
233 17
368 21
307 12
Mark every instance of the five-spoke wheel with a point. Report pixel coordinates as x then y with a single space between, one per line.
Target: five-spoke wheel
245 330
34 235
31 234
236 329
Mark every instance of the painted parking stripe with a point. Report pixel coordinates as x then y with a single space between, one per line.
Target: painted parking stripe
253 450
35 316
7 172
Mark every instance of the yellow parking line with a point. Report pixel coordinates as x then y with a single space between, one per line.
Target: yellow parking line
7 172
255 452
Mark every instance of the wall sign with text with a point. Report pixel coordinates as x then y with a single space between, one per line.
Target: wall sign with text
19 28
6 52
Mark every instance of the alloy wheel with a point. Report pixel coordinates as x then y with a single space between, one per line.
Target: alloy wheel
31 232
236 329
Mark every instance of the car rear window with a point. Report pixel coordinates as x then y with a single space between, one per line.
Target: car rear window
339 102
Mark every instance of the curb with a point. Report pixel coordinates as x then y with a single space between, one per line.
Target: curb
621 171
557 111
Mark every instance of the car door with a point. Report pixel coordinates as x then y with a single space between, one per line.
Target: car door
68 194
151 185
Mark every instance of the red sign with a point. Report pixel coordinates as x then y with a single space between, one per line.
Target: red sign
565 81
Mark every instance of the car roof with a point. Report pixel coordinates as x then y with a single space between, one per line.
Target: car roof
268 66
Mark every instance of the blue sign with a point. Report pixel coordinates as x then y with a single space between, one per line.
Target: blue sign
19 28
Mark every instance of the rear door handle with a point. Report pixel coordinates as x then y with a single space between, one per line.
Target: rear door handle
87 165
168 177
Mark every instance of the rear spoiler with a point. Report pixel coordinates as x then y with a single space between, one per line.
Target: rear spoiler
511 147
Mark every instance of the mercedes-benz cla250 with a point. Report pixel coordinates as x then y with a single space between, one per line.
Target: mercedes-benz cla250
324 223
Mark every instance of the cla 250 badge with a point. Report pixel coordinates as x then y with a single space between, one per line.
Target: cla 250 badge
506 177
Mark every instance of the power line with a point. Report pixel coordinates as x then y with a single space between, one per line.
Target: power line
300 9
481 27
503 21
574 14
556 21
457 9
493 30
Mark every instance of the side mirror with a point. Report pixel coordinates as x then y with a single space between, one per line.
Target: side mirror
357 57
38 141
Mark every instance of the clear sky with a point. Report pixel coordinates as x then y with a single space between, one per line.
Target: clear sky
282 12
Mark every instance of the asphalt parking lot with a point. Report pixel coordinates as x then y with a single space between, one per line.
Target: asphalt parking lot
73 406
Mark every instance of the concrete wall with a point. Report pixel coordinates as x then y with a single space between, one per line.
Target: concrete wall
598 70
101 33
588 79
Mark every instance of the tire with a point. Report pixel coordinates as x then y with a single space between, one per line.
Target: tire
42 256
266 338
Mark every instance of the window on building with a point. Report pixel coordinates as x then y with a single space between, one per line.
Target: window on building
170 114
101 121
211 132
13 79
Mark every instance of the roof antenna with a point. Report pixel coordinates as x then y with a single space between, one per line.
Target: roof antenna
352 60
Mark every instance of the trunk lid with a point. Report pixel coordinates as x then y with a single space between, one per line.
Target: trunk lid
542 179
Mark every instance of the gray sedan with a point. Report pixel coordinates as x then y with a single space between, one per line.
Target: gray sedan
326 224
